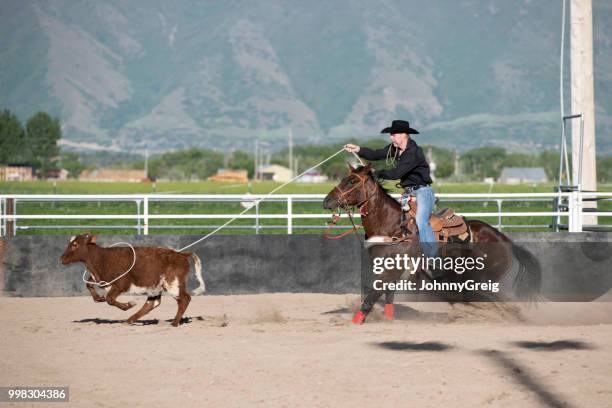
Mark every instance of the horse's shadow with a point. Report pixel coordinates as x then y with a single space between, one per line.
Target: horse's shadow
558 345
147 322
410 346
402 312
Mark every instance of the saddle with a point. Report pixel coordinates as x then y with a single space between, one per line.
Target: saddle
445 223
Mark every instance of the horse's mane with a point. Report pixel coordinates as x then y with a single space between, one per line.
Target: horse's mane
379 182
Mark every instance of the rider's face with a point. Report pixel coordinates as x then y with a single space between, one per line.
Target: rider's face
399 139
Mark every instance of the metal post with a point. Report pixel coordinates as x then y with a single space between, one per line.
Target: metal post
289 215
581 153
575 211
570 212
499 215
145 210
2 219
10 224
138 219
579 206
257 217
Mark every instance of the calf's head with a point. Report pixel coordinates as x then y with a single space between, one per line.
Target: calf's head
77 248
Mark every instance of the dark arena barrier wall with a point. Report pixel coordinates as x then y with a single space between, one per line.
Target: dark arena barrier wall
231 264
241 264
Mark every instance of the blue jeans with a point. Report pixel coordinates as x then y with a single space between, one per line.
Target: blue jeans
426 199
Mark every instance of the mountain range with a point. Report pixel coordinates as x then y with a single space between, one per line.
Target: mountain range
162 75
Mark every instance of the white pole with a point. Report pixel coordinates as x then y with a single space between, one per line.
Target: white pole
256 160
289 215
145 211
583 99
291 153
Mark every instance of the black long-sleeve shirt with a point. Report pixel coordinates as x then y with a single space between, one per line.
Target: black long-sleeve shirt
411 169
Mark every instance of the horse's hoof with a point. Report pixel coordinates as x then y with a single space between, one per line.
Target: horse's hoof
389 312
359 317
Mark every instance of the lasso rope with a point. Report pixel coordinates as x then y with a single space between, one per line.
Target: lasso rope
263 198
104 283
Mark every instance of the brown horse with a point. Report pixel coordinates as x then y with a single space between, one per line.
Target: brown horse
381 215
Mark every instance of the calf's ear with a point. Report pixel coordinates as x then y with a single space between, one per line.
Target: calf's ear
91 239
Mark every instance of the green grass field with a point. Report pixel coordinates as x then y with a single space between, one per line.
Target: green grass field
198 227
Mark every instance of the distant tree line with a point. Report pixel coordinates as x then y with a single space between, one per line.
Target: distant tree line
473 165
35 144
199 164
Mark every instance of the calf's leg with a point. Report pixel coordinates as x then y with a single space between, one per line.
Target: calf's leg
111 299
96 297
183 300
151 303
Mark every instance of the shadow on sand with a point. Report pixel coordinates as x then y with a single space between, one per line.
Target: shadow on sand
524 377
148 322
409 346
554 345
402 312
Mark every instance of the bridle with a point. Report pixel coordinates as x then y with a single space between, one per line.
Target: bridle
363 211
361 205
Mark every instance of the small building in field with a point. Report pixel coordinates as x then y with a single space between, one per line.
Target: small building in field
229 175
518 175
57 174
274 172
17 173
313 177
109 175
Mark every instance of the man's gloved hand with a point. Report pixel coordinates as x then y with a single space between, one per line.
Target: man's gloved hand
352 148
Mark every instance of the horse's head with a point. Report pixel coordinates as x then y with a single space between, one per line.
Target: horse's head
353 190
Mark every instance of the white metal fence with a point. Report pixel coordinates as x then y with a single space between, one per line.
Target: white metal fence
567 211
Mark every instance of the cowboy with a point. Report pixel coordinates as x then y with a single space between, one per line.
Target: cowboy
412 169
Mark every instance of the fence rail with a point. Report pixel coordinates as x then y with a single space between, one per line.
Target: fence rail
15 215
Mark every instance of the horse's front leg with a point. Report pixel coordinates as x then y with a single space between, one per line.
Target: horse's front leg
367 305
389 309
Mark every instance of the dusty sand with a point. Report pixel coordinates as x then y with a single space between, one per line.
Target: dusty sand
301 350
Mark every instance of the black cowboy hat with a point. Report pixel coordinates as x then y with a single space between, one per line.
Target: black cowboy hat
400 126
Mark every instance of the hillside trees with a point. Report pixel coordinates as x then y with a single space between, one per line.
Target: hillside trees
12 139
42 134
35 145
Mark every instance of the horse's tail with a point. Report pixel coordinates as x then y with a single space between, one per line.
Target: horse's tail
198 273
528 281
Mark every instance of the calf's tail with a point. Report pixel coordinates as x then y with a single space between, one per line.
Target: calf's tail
197 263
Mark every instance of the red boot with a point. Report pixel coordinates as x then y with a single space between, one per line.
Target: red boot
389 311
359 317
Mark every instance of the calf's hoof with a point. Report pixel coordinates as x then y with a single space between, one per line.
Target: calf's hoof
175 323
100 299
389 312
359 317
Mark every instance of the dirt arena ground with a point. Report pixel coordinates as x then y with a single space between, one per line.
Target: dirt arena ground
301 350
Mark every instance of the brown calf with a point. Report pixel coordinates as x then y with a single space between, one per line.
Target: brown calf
156 270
